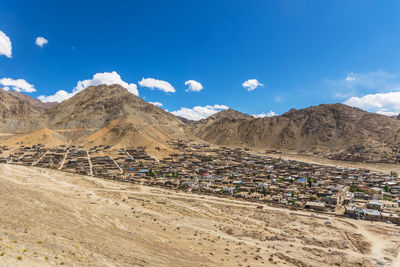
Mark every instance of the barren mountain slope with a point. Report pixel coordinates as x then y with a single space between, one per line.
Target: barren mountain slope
114 116
18 113
40 136
97 115
334 127
33 101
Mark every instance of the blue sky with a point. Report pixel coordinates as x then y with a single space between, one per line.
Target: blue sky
303 52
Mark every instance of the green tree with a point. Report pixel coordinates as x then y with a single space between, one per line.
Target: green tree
353 188
151 173
309 181
237 187
387 189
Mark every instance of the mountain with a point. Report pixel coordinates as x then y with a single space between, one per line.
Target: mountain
33 101
229 114
19 113
115 116
335 130
110 115
98 115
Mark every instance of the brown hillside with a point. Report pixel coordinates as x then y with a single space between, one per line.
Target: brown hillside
97 115
111 115
41 136
336 129
17 114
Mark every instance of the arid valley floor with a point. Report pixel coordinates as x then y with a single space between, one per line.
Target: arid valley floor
50 217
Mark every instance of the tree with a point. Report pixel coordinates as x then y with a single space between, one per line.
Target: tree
353 188
387 189
151 173
309 181
264 191
237 187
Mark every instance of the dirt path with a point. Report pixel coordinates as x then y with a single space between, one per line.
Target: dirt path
116 164
64 160
40 158
90 164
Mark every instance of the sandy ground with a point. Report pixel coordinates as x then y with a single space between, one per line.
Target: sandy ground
376 167
52 218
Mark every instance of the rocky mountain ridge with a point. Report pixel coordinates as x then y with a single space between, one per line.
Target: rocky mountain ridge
110 115
335 131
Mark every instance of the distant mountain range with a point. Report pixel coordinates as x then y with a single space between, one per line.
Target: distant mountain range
113 116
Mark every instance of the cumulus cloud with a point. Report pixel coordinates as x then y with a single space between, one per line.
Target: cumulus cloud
377 91
5 45
107 78
263 115
41 41
158 104
251 84
382 103
198 112
157 84
362 83
19 85
193 86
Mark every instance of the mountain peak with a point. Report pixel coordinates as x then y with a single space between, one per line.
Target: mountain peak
231 114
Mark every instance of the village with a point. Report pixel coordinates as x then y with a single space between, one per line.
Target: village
230 172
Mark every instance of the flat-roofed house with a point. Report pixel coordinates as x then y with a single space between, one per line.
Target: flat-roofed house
375 205
371 215
315 205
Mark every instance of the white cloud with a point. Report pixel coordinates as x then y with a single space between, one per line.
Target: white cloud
19 85
198 112
263 115
5 45
107 78
59 96
157 84
388 113
193 86
251 84
377 91
158 104
382 103
351 77
362 83
41 41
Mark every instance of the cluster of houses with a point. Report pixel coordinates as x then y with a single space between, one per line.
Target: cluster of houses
358 193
